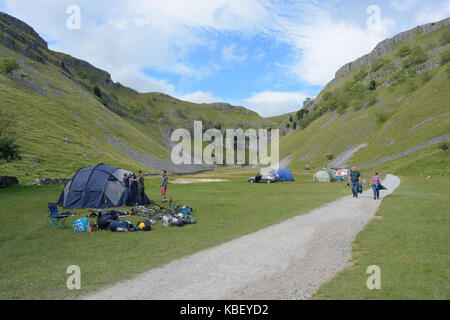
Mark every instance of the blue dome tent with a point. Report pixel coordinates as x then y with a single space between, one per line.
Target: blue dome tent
96 187
283 174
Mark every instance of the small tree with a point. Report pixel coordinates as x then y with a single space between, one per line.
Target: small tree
445 56
9 65
294 126
443 146
404 51
9 151
417 56
445 38
97 91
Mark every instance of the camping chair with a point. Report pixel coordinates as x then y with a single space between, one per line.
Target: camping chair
54 219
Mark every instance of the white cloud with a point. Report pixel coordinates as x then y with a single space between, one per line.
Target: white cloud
429 14
270 103
228 55
200 97
403 5
128 37
325 45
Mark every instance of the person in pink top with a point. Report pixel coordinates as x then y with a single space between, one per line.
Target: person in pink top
376 183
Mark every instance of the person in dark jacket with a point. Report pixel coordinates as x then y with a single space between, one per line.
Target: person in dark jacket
354 179
126 184
141 188
163 185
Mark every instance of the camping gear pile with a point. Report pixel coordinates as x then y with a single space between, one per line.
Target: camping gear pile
180 216
109 220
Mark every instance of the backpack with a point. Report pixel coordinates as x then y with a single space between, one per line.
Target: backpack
144 225
186 210
80 225
188 219
103 221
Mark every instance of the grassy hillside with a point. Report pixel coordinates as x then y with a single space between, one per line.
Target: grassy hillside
391 104
70 114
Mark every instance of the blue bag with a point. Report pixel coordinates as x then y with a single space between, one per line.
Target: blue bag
80 225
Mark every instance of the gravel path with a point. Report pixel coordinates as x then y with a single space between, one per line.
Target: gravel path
289 260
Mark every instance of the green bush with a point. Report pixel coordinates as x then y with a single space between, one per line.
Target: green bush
381 117
360 76
417 56
294 126
330 156
398 76
9 151
445 56
404 51
378 64
372 85
445 38
9 65
97 91
443 146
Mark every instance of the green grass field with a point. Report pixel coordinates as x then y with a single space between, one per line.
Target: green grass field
34 260
410 243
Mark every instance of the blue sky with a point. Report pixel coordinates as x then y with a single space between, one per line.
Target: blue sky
265 55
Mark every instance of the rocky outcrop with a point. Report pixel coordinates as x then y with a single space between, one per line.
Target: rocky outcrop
6 181
384 48
50 181
18 36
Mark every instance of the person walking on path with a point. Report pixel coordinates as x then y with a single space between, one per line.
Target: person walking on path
163 185
141 188
354 180
376 184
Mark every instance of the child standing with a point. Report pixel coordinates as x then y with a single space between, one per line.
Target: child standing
163 184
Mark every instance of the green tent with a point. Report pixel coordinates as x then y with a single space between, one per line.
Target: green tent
324 176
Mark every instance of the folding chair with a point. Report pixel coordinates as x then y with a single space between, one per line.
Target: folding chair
54 219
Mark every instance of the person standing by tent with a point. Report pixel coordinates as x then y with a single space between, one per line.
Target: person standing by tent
376 184
163 185
354 180
126 184
141 188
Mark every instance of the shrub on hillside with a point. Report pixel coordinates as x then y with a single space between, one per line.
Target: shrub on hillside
9 151
445 38
330 156
378 64
9 65
445 56
97 91
404 51
381 117
360 76
417 56
443 146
